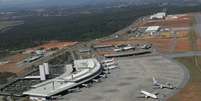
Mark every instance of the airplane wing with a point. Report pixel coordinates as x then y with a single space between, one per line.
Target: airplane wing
156 93
141 96
156 87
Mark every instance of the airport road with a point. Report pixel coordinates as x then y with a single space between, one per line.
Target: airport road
173 42
49 57
198 23
173 55
1 97
183 54
134 74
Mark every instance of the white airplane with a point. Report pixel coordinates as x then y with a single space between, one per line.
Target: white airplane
117 49
103 76
110 64
146 46
128 47
57 97
148 95
77 89
106 71
107 60
161 86
112 67
85 85
96 80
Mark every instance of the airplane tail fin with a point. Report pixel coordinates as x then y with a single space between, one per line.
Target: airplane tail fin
154 80
156 93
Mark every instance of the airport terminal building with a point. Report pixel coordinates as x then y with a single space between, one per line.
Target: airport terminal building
40 87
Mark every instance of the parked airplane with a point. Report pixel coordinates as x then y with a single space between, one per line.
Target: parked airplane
56 98
96 80
77 89
128 47
117 49
110 64
112 67
85 85
107 60
123 48
161 86
146 46
148 95
103 76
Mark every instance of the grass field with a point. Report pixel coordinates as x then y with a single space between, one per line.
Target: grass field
193 36
5 24
192 91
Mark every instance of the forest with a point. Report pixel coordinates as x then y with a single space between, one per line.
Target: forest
78 27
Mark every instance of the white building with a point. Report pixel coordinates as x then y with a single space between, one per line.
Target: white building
159 15
87 70
153 30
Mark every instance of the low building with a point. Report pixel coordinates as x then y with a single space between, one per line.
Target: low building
153 30
40 52
159 15
86 70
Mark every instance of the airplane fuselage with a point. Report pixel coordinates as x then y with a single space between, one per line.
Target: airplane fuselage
147 94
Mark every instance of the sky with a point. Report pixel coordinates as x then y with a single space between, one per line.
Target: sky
13 2
27 3
35 3
16 1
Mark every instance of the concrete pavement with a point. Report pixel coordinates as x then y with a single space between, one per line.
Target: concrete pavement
134 74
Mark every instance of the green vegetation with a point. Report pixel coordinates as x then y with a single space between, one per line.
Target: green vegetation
192 91
5 24
62 59
77 27
183 9
5 76
193 64
193 37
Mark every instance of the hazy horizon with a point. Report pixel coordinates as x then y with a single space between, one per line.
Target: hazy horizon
44 3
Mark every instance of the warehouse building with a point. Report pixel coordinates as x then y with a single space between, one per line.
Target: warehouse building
159 15
153 30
